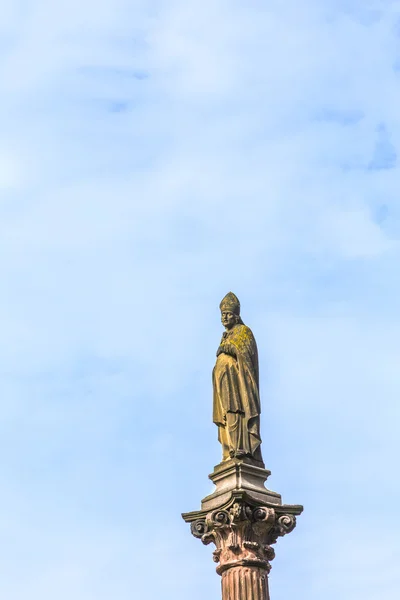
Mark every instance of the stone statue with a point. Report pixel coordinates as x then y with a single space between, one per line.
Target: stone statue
237 409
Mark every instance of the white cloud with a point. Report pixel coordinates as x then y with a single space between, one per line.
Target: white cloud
155 155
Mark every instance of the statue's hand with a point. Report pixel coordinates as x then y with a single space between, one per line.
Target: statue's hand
231 350
227 349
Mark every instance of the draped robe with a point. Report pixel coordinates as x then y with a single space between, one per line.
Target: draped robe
236 403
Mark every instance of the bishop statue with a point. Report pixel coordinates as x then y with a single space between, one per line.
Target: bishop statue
236 403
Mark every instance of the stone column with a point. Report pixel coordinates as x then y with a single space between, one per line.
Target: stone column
242 583
243 526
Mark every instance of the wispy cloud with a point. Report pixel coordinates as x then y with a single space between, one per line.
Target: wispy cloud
155 155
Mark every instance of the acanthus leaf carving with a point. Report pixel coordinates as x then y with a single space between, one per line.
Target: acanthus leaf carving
243 534
198 528
240 534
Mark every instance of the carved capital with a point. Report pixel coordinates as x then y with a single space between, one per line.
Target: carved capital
243 534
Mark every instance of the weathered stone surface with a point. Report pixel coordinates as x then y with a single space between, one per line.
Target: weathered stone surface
239 475
243 532
236 404
245 583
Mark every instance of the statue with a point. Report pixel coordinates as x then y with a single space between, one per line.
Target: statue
237 409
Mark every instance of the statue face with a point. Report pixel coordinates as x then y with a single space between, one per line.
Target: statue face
228 319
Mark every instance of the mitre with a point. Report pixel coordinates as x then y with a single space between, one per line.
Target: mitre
230 304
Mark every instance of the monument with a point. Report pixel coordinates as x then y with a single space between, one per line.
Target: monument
242 518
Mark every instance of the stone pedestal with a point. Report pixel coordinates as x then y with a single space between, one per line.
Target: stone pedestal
243 519
233 475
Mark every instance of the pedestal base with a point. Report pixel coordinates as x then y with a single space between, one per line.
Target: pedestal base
239 475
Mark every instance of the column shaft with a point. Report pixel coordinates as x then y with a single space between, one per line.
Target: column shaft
245 583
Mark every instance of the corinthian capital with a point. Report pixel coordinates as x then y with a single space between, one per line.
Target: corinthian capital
243 534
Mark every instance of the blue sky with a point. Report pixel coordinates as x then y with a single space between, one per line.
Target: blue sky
153 156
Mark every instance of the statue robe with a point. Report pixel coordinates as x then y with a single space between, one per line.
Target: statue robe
236 406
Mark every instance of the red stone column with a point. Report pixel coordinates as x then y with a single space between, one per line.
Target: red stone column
245 583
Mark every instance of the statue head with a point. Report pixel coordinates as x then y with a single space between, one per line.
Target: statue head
230 311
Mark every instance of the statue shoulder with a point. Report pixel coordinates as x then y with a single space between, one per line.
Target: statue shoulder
245 331
243 336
